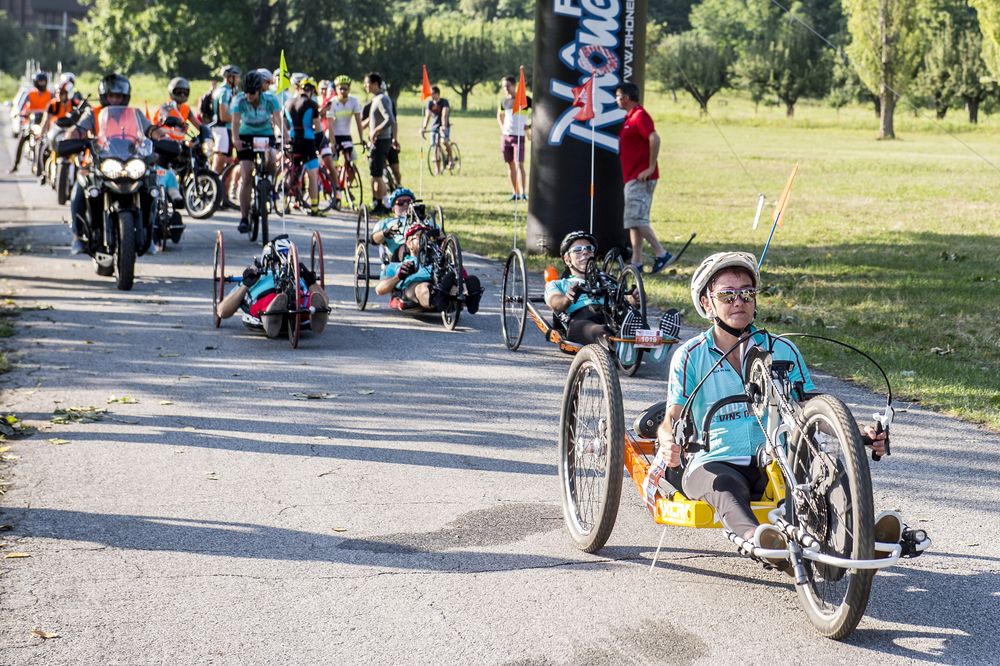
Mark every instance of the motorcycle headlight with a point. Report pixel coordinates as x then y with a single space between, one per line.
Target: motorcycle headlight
135 169
36 128
112 169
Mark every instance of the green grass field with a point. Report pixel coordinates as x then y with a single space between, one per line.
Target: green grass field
888 245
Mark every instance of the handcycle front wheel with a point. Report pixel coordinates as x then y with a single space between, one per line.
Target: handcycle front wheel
828 455
630 281
361 275
591 448
218 277
453 256
317 264
514 300
295 305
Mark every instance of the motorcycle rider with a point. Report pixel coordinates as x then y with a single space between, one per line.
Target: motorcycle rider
113 90
60 107
37 101
179 90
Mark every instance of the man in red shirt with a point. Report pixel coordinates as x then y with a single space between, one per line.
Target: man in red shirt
638 148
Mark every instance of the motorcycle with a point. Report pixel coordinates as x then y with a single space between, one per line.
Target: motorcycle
119 188
201 187
60 172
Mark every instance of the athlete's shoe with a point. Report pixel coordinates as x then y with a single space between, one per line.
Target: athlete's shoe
770 537
661 262
888 529
318 319
244 227
272 322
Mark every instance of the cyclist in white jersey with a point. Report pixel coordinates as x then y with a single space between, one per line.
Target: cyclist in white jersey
339 112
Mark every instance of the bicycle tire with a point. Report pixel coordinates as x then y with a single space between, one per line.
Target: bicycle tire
591 448
453 256
353 186
514 300
295 318
833 598
218 277
265 195
630 277
456 160
361 275
317 262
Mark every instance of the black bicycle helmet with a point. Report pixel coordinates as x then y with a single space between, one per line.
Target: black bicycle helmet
253 82
230 70
41 80
574 236
114 84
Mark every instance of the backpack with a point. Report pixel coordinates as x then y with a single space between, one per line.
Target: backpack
206 108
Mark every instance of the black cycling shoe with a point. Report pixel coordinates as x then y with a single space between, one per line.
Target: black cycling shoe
244 227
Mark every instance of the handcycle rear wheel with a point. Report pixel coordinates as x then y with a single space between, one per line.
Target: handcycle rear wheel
591 448
827 452
630 278
317 264
453 256
218 277
361 275
514 300
295 302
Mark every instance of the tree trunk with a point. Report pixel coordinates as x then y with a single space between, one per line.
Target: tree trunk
878 107
886 130
972 105
464 94
789 109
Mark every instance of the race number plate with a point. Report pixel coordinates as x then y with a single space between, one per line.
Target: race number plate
260 144
647 339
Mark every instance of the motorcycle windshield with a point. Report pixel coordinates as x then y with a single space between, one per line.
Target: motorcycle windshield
120 134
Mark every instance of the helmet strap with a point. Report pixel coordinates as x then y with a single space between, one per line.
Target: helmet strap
735 332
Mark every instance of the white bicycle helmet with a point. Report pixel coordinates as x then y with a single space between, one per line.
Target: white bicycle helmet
712 265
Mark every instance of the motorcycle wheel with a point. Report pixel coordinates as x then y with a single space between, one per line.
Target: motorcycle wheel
125 251
203 195
64 183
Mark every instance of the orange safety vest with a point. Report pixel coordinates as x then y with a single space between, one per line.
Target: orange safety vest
168 109
37 101
59 109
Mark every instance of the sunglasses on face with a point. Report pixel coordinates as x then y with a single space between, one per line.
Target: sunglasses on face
403 202
729 296
580 249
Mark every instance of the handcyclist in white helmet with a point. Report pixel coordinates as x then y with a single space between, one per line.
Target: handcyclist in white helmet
728 476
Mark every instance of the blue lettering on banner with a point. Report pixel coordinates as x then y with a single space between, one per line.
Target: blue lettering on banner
592 52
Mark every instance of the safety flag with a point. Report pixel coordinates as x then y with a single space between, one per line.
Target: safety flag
426 91
283 81
521 97
785 194
583 97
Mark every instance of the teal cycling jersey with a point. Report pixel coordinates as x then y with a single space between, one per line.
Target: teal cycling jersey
422 274
255 120
562 287
734 436
223 95
393 240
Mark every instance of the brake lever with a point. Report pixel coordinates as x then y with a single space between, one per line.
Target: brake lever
882 423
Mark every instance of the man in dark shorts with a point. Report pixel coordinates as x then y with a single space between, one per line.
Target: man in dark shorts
304 130
381 132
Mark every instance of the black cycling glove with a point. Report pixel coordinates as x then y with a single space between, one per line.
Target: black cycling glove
307 275
251 275
406 269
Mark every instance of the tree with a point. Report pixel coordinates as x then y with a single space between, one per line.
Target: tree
396 49
972 83
674 14
846 86
467 61
989 22
11 56
886 46
694 63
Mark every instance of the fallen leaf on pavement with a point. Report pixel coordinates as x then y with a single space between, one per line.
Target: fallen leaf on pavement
4 449
122 400
166 402
16 556
339 529
89 414
6 528
211 476
46 635
58 440
188 428
313 396
366 391
210 348
169 355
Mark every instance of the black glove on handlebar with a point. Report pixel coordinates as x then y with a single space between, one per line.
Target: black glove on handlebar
307 275
251 275
406 269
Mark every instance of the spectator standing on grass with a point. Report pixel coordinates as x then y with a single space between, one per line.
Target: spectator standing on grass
638 148
513 130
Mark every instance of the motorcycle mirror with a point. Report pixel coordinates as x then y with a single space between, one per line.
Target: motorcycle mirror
173 122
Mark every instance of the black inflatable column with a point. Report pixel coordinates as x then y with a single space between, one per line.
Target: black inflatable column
573 39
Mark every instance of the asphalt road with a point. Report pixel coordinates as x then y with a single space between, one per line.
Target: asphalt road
412 517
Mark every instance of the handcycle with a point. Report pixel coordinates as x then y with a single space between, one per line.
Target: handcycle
441 251
437 163
818 493
617 286
287 277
